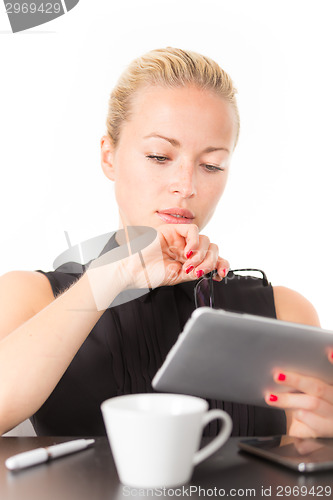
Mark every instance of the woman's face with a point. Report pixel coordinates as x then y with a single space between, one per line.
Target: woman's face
172 159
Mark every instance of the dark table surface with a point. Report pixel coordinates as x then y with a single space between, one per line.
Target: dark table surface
91 474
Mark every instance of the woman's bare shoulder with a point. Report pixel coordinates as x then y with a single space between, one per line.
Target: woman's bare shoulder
292 306
22 295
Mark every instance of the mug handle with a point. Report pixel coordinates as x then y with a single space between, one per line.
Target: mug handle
219 440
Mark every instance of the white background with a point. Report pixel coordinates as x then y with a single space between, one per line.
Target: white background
55 82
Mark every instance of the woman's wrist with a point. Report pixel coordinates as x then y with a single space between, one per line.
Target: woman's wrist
106 282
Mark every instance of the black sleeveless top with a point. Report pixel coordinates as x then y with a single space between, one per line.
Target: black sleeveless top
128 345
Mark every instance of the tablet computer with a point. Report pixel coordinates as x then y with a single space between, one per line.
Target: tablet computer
232 356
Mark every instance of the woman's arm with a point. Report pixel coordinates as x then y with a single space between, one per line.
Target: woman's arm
309 414
39 336
292 306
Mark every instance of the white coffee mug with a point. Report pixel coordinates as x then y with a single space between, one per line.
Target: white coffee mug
154 438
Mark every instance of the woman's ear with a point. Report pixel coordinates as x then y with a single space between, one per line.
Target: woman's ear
107 154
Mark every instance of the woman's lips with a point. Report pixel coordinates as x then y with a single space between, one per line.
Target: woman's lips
176 216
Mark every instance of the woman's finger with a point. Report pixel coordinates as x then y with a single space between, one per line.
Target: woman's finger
206 259
330 355
290 400
195 252
179 241
308 385
191 234
319 425
198 261
222 267
301 430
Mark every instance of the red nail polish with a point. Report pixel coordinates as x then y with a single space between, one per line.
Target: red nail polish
189 269
281 377
224 272
332 355
200 273
272 397
188 255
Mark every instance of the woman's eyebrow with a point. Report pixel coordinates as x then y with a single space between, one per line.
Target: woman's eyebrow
175 143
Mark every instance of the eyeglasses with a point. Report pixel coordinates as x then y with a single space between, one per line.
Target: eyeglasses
204 289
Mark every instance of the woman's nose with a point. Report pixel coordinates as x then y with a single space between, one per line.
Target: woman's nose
184 181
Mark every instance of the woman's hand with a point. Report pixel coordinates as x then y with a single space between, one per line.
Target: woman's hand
179 253
311 410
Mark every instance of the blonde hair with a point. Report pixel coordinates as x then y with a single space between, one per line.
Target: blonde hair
172 68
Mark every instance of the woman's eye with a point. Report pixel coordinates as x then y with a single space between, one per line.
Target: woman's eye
157 158
213 168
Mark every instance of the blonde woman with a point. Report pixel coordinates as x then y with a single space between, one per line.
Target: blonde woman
172 127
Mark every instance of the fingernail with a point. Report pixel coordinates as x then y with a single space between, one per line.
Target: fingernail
188 255
281 377
332 355
189 269
224 272
272 397
200 273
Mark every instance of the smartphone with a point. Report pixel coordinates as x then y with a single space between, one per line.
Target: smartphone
304 455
